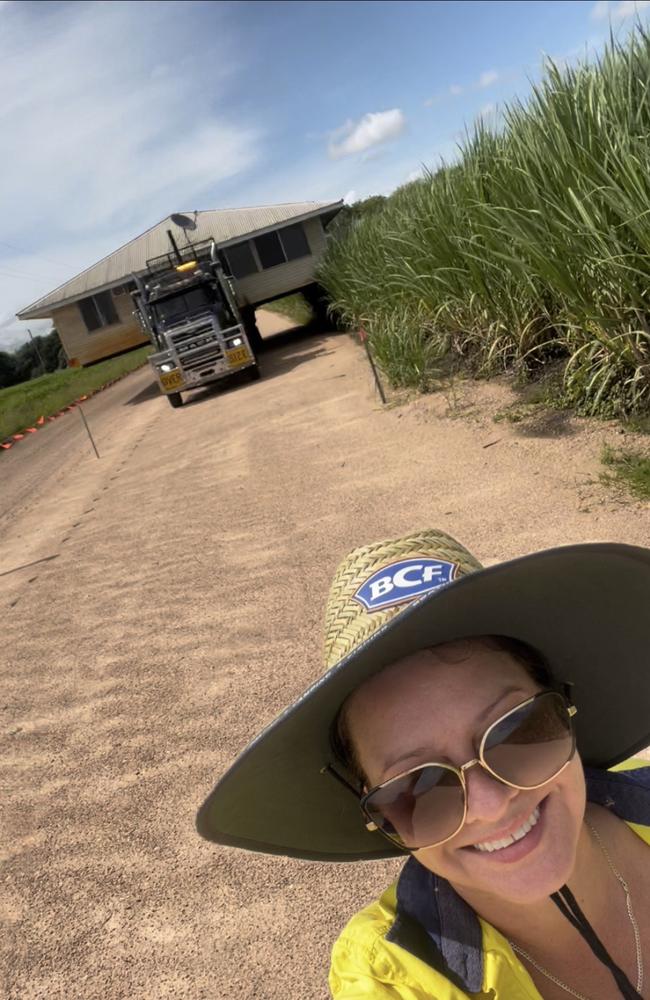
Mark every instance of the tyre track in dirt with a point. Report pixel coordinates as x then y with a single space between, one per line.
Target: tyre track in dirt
53 480
181 614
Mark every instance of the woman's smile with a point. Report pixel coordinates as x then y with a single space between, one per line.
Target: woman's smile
520 841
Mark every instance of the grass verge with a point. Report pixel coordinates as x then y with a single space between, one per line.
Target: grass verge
21 405
295 307
627 468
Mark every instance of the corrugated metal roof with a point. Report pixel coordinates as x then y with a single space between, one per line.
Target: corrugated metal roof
222 225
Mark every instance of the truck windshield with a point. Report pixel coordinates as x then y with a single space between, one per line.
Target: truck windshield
182 306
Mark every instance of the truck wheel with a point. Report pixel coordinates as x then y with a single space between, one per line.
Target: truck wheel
251 329
175 399
254 373
317 298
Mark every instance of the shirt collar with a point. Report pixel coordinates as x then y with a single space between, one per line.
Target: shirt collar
433 923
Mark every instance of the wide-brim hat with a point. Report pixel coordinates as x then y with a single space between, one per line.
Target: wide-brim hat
585 608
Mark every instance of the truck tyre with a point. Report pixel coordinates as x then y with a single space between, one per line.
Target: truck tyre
175 399
254 373
318 299
251 329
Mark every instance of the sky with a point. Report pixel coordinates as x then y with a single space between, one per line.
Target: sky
115 114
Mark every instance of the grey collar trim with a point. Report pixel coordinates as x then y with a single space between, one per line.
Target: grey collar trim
435 925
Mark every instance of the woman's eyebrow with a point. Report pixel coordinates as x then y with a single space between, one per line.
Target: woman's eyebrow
504 694
422 752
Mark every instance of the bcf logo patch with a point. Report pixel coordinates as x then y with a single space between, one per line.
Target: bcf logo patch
404 580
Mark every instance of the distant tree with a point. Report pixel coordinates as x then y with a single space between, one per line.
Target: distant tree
27 363
368 206
350 214
7 370
37 357
51 351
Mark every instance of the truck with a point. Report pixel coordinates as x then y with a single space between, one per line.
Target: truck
186 304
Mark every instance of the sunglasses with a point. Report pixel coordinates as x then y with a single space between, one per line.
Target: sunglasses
427 805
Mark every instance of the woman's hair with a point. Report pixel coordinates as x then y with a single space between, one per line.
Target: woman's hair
534 663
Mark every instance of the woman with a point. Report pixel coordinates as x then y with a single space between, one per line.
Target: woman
445 728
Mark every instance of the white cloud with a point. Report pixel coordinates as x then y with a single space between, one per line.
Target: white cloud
627 8
600 10
350 197
487 78
120 132
487 111
115 115
374 128
617 11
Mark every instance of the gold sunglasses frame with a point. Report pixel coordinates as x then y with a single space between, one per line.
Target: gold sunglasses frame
460 772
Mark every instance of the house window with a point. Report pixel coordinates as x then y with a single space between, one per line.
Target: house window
282 245
269 250
240 260
98 311
294 242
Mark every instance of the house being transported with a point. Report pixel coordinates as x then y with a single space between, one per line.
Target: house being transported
269 251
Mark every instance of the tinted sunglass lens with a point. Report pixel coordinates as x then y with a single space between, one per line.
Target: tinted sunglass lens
532 743
420 808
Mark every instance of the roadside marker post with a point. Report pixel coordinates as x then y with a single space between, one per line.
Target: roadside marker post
363 337
83 417
40 358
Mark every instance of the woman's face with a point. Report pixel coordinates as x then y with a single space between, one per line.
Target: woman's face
434 706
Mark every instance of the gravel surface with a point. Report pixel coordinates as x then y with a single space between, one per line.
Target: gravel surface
179 609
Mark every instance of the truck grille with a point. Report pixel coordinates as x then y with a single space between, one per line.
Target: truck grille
202 359
196 345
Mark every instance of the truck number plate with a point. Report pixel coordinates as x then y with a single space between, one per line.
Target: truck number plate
238 356
171 380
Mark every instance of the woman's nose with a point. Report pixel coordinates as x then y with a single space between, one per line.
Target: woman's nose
487 797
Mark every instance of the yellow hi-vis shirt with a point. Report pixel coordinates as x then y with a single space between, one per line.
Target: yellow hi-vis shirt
420 941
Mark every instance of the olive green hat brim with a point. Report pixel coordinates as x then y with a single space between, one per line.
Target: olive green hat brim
586 608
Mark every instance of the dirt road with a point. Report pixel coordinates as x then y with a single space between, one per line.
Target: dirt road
178 610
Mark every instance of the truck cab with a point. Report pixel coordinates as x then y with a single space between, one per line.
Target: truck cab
186 304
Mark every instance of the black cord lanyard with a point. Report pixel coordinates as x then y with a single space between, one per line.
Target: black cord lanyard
567 905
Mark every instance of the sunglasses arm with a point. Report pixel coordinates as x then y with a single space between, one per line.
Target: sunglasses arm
333 773
566 688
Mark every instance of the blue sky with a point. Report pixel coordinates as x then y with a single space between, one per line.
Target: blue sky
115 114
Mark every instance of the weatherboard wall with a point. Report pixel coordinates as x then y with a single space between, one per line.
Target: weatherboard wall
284 278
84 347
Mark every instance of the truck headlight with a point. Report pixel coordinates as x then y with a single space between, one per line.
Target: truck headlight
236 342
167 366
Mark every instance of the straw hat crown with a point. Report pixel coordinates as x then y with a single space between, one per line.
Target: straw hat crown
376 582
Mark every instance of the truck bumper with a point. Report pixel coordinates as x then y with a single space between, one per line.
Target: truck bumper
194 380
